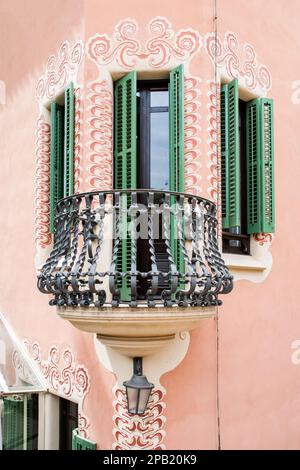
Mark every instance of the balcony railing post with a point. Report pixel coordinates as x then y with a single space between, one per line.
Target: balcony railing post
154 270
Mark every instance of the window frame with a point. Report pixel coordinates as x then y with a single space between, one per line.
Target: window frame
252 168
125 156
144 110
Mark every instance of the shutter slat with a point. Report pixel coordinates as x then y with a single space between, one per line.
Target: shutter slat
125 168
69 141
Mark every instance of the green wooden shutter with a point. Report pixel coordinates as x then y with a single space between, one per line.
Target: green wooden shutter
233 155
125 173
176 153
253 153
267 165
125 132
80 443
13 426
260 166
56 159
69 141
176 120
29 424
225 156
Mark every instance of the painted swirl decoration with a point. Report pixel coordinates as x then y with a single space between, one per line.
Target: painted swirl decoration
125 50
139 432
59 70
64 377
78 138
192 131
100 155
238 61
263 238
43 236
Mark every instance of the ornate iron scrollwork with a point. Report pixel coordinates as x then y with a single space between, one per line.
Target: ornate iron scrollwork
83 268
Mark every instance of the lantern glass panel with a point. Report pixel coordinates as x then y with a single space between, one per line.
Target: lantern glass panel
132 397
143 400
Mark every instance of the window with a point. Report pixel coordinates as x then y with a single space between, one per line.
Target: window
247 152
62 150
20 422
153 134
148 153
68 421
152 164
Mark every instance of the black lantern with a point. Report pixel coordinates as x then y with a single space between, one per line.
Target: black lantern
138 389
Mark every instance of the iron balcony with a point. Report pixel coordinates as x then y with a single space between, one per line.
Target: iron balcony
136 248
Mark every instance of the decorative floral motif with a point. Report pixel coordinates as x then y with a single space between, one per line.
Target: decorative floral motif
64 377
139 432
238 61
125 50
59 70
78 139
42 184
262 238
192 129
100 156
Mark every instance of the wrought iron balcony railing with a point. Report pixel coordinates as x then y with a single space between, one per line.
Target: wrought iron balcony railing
135 247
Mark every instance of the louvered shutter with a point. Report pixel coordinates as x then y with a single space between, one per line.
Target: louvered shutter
225 156
80 443
56 159
176 154
13 427
233 155
260 166
267 165
125 173
253 153
69 141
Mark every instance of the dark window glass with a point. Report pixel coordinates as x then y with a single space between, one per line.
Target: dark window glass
67 423
32 421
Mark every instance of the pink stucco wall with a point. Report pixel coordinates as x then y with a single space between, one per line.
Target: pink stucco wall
257 381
